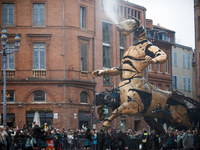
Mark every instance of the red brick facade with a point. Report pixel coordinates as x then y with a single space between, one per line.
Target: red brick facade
197 45
62 78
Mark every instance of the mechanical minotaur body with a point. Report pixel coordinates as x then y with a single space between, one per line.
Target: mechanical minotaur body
137 96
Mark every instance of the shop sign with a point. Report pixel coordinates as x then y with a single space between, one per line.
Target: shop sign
56 115
39 109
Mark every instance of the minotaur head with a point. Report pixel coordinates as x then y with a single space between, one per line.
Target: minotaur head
133 25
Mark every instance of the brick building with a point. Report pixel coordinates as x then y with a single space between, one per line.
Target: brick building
51 73
197 45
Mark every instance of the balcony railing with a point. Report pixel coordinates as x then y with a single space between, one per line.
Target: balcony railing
39 73
9 73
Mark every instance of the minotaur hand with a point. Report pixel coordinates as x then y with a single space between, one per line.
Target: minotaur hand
97 73
150 60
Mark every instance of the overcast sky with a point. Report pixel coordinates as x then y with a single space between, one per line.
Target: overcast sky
176 15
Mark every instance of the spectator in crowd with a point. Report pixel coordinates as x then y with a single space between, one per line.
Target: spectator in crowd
185 139
179 140
94 139
88 139
3 136
57 136
145 138
155 140
70 138
37 134
8 138
190 140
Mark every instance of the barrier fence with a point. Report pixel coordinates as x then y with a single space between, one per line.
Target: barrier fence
20 143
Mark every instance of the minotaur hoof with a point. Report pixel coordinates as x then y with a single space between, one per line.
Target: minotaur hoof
106 123
105 128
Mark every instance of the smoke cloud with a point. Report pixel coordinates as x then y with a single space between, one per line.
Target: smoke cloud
110 8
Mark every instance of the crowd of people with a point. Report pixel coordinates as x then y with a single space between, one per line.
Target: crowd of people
65 139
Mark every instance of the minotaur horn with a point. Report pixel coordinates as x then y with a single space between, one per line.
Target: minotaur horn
137 21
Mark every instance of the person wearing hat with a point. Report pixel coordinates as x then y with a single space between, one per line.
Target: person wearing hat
3 135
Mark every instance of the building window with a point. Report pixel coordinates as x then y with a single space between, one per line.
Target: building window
135 13
106 57
139 15
175 82
83 57
189 84
106 45
121 36
39 56
167 87
132 12
106 33
82 17
159 86
184 83
188 61
175 58
124 12
83 97
158 67
10 64
38 14
39 96
183 60
8 14
166 66
10 95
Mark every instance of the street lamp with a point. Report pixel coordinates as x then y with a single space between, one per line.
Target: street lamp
5 51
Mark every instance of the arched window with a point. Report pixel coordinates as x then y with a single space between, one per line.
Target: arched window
39 96
83 97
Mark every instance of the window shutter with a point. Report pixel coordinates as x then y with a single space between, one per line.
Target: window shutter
175 58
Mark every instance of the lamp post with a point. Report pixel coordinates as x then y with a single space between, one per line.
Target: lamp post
5 51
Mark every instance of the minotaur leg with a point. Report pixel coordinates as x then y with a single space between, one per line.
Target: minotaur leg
130 107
